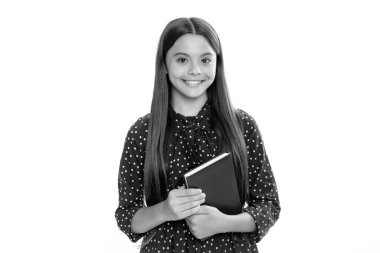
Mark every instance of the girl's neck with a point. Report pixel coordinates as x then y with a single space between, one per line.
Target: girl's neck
188 107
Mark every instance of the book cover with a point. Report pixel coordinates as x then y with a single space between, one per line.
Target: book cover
216 178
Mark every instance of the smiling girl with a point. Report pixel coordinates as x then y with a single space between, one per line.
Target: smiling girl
191 121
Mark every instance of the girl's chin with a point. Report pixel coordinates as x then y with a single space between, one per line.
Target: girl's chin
189 93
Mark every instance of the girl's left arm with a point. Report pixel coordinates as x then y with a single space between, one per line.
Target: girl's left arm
210 221
263 206
263 203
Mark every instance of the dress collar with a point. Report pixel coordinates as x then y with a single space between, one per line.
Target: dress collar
200 120
193 130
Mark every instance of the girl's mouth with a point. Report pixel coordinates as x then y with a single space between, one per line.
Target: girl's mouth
193 82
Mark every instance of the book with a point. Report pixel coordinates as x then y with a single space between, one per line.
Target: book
217 180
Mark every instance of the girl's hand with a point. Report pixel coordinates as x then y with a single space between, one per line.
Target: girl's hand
182 203
207 222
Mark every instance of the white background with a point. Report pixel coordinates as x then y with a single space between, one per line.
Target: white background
75 75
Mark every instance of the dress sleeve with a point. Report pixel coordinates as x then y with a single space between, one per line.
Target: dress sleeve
130 180
263 202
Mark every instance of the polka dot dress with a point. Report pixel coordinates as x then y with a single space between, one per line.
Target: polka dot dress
192 141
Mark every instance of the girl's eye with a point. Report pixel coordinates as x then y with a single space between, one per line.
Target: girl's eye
181 60
206 60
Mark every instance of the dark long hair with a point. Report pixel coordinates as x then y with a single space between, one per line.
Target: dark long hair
227 123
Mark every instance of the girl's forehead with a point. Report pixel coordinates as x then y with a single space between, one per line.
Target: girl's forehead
191 44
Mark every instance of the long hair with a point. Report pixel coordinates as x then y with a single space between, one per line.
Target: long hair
227 124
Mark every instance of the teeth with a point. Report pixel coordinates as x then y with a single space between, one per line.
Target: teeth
192 82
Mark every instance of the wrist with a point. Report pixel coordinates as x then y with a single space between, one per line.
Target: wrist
243 223
226 221
161 214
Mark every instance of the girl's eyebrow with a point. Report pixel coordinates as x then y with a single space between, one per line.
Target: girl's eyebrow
185 54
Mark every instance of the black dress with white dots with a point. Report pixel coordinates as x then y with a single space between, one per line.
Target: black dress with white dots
192 141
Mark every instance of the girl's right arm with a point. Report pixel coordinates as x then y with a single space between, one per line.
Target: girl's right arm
180 203
132 217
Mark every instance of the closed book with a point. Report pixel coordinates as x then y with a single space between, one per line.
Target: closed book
217 180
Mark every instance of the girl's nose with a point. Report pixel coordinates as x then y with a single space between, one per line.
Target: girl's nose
194 69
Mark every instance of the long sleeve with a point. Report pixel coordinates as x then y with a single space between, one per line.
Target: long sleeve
130 178
263 202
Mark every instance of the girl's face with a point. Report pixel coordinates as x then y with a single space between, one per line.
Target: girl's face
191 66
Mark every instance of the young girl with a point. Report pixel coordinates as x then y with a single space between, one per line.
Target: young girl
191 121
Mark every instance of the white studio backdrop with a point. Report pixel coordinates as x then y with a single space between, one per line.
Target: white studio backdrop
75 75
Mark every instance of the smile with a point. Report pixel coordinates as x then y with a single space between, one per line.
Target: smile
193 82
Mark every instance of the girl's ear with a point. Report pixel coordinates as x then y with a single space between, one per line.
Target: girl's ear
166 69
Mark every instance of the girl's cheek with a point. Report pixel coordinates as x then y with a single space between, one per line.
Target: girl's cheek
179 70
209 71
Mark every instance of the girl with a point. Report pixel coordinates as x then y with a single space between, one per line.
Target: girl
191 121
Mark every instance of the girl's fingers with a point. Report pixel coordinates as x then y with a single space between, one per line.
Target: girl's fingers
190 212
186 192
191 205
188 199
